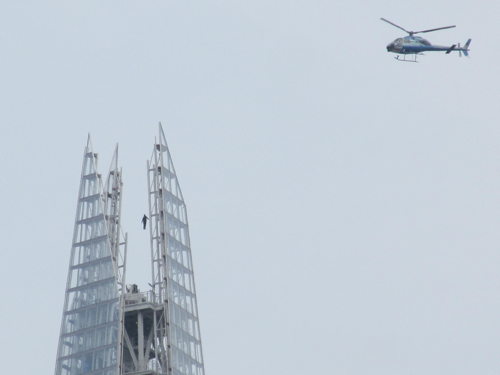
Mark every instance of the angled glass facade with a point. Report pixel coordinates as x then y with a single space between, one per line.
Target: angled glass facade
89 339
173 277
109 328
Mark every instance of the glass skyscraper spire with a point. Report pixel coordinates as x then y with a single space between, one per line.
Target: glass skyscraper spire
109 328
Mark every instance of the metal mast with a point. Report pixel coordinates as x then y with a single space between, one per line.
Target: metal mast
178 347
90 339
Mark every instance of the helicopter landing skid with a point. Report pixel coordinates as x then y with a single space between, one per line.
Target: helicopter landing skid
404 59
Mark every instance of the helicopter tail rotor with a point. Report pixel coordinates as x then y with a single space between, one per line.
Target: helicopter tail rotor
460 49
465 50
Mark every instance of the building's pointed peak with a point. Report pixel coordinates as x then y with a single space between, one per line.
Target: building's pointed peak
114 159
162 146
88 147
90 158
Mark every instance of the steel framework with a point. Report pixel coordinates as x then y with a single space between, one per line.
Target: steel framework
109 328
178 331
91 324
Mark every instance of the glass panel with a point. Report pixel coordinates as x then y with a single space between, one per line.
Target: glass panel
90 326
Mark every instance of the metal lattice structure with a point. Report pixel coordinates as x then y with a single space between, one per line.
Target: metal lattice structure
91 325
109 328
172 266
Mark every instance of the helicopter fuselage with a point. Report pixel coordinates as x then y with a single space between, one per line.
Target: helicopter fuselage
415 45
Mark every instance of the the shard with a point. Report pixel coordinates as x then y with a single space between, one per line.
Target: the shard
110 327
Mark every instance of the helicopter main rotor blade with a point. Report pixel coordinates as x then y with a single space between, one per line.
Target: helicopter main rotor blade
393 24
428 31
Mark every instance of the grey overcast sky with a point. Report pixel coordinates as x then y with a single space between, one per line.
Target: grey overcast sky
344 207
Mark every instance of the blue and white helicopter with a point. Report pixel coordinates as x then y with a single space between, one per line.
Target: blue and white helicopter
415 45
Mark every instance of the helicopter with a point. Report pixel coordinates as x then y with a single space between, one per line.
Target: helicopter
416 45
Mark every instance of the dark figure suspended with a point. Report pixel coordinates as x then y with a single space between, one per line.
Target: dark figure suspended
415 45
144 221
